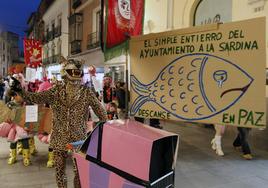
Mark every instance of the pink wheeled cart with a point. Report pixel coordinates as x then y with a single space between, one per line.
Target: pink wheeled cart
127 154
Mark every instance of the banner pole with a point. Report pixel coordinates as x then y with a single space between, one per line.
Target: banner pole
127 85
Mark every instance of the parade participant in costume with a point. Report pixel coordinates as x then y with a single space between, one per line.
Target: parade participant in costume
69 102
21 135
25 146
32 87
45 138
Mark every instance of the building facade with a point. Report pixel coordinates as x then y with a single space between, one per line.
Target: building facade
84 34
55 35
9 51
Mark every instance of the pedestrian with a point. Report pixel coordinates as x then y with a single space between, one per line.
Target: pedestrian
155 123
121 99
152 122
108 91
112 111
6 97
2 88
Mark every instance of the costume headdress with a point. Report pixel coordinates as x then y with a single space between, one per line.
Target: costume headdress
72 69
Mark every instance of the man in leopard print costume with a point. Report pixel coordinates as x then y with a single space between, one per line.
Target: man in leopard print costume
69 102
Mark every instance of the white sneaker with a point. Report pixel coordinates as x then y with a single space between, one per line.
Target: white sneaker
218 146
219 151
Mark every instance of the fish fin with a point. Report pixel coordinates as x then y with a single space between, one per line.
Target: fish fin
137 104
143 92
138 87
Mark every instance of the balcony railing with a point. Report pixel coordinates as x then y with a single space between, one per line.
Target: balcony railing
93 40
54 59
75 46
51 60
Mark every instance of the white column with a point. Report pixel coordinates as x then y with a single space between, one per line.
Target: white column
170 14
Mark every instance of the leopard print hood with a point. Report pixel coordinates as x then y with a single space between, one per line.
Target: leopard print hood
72 69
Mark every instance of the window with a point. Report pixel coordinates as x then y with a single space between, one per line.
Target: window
4 57
59 47
47 53
47 32
98 21
58 28
76 27
59 21
259 9
4 70
212 11
4 46
53 29
7 58
53 49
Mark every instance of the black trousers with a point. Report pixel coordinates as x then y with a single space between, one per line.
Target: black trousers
152 123
242 140
25 144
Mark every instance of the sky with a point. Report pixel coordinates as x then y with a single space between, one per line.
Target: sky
14 15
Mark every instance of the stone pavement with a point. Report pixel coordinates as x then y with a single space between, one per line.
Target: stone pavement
197 165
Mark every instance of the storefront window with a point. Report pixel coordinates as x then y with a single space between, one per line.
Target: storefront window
116 72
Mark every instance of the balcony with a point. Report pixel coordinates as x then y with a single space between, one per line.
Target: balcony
76 3
51 60
75 46
93 40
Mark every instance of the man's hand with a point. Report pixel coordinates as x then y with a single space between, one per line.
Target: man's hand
15 86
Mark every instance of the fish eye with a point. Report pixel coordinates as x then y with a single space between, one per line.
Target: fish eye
220 76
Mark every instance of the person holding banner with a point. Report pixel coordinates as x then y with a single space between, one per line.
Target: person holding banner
216 141
69 102
241 142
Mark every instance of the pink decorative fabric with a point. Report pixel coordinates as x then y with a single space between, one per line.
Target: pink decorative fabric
12 132
44 86
4 129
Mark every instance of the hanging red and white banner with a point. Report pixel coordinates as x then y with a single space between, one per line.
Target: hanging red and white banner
32 52
125 18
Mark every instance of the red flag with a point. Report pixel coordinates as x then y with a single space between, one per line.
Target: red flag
124 18
32 52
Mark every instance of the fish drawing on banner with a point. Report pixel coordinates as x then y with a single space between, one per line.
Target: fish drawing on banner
194 87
